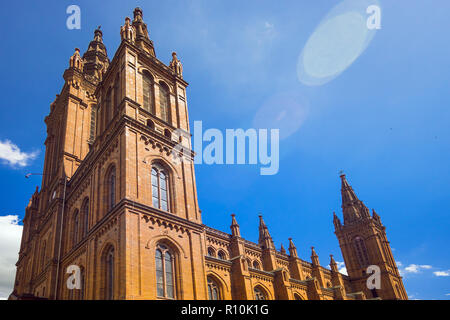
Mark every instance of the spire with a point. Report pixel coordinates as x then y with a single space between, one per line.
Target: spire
314 257
375 216
265 239
282 249
333 264
96 60
176 65
75 61
127 31
336 221
352 207
234 226
142 38
292 249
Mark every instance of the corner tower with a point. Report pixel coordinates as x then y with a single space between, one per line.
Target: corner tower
363 242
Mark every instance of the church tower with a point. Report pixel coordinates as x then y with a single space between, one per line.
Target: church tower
364 243
116 187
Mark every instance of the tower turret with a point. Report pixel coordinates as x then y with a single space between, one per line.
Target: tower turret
364 244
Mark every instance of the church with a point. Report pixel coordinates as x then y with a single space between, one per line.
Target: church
114 204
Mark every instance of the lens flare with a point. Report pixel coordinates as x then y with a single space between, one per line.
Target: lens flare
337 42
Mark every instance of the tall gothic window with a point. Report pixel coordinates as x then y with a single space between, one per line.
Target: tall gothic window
259 294
93 123
75 227
109 274
165 276
213 289
43 254
111 188
85 210
164 102
361 251
108 106
116 93
160 198
148 96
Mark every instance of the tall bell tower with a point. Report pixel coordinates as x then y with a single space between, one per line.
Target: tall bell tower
364 243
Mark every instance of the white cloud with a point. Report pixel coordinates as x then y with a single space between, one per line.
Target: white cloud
442 274
341 267
447 294
413 268
10 235
11 154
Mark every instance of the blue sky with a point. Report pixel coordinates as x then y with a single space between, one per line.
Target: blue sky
383 119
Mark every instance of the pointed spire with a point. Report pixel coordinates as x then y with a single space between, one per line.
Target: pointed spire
333 264
336 221
282 249
75 61
352 207
314 257
375 216
95 58
127 31
142 38
292 249
234 226
176 65
265 239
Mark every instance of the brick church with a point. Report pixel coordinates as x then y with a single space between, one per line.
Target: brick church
115 204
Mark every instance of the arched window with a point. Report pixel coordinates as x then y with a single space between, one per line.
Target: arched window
213 289
256 265
211 252
109 274
221 255
361 251
75 227
85 211
164 102
43 254
297 297
165 275
108 106
259 294
160 195
147 89
150 124
111 188
116 93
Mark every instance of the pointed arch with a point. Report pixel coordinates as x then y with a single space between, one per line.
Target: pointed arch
109 271
221 284
75 227
260 292
164 102
361 251
110 187
148 92
85 214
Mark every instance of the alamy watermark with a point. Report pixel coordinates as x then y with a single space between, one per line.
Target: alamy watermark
74 19
374 20
374 280
237 146
74 280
